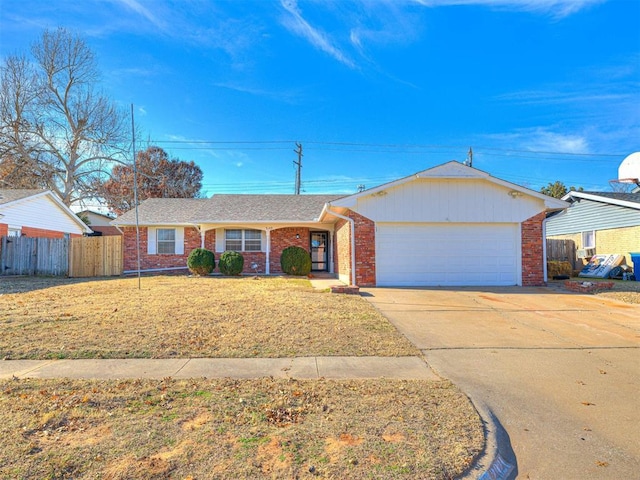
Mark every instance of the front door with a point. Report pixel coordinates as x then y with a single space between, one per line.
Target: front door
320 251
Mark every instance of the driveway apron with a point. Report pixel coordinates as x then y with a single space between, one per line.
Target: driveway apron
561 372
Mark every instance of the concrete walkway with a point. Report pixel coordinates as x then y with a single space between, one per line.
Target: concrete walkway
297 367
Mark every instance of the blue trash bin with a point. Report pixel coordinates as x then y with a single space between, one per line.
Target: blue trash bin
635 258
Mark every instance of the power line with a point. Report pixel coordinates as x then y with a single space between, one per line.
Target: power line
385 146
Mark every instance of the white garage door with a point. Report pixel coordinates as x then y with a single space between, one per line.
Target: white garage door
432 254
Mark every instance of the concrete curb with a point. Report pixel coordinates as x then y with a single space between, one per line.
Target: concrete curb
497 461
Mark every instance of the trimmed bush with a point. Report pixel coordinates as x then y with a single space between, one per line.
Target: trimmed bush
201 261
295 261
231 263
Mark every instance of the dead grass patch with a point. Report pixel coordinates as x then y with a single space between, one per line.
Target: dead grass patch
203 429
181 316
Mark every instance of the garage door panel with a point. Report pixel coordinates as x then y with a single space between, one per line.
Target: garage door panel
447 254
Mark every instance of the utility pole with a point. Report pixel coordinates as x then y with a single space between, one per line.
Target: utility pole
299 165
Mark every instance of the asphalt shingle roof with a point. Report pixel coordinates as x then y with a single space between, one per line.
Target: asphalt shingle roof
627 197
11 195
228 208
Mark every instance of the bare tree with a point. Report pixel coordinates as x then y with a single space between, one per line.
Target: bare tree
54 122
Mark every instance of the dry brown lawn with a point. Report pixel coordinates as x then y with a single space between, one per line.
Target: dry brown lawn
223 429
183 316
217 429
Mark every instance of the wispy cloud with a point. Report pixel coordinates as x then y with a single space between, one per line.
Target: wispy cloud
285 96
297 24
555 8
140 9
542 139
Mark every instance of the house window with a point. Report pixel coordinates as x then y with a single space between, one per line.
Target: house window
243 240
252 240
589 239
166 240
15 231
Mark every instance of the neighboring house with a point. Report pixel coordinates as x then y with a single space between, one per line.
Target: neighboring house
599 223
449 225
37 213
99 223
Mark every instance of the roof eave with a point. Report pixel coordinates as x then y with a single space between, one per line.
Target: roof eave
597 198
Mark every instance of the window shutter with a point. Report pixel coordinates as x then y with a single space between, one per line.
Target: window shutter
219 240
180 241
263 243
151 241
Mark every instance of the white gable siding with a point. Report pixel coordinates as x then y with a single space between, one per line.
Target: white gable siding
448 200
40 212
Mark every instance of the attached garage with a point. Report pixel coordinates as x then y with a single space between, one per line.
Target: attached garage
451 225
438 254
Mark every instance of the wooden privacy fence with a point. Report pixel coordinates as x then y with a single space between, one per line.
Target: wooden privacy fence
34 256
76 257
95 256
562 250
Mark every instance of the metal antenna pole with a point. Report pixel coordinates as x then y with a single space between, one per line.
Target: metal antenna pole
135 192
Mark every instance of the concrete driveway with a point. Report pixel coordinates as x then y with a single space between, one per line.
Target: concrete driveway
561 372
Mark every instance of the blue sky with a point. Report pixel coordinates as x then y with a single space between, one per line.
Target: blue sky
375 90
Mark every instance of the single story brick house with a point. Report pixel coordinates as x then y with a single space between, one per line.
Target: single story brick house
37 213
451 225
599 223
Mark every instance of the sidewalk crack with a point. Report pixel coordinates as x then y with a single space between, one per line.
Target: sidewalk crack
182 367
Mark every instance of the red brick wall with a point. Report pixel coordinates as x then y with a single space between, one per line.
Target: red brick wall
365 232
365 250
282 238
42 233
4 229
532 251
148 262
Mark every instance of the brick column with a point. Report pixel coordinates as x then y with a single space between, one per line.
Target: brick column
533 251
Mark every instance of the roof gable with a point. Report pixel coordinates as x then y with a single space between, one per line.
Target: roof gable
12 200
453 171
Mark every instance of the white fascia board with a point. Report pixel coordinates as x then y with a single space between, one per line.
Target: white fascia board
75 218
30 197
598 198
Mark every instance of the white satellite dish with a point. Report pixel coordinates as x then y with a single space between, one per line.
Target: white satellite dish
629 169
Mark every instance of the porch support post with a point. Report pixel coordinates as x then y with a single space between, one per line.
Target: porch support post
267 269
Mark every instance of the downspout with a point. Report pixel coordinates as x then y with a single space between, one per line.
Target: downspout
352 223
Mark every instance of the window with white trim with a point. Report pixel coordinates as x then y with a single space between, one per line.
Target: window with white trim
243 240
166 240
15 231
589 239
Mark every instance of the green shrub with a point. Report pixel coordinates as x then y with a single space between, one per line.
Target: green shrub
231 263
295 261
201 261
